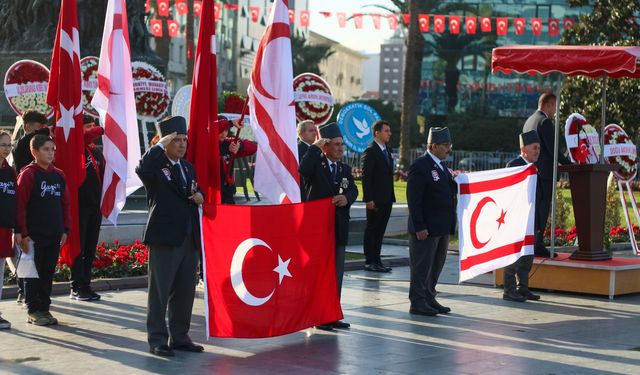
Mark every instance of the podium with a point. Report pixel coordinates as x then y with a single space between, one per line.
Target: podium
589 193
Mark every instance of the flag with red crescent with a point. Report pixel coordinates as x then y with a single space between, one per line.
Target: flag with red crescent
496 211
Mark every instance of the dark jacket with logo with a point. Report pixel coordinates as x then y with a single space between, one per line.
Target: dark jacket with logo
8 200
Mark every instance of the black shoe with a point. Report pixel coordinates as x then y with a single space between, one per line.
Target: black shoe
441 309
325 327
162 351
385 267
425 310
94 296
80 295
189 347
528 295
375 267
513 296
339 324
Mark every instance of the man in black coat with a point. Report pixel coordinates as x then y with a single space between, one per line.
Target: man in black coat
529 153
327 177
431 196
306 136
542 122
378 194
172 233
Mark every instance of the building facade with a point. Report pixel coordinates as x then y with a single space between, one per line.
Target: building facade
392 54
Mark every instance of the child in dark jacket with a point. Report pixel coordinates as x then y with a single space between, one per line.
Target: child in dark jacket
8 212
43 221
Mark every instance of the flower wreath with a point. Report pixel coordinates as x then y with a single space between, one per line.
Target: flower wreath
150 90
628 160
582 140
318 112
25 86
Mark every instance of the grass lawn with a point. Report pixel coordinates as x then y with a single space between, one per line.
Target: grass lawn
399 188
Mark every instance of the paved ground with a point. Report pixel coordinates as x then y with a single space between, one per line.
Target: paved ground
561 334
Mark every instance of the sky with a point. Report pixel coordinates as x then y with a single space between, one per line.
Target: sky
367 39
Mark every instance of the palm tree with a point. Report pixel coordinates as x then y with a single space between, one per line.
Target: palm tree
307 57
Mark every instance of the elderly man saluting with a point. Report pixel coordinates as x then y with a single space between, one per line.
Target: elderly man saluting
172 234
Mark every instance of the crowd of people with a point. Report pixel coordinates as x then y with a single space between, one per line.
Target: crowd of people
36 220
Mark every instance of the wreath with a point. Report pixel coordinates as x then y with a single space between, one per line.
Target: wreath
25 86
624 156
317 109
150 90
582 140
89 71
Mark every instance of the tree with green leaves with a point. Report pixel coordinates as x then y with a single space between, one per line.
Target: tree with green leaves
614 23
307 57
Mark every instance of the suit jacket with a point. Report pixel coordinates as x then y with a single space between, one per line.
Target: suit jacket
377 176
431 196
172 215
302 149
317 174
545 128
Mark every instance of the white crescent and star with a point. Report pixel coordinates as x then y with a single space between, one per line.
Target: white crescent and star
237 281
474 221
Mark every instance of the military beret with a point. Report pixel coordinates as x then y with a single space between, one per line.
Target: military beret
329 131
176 124
439 136
529 138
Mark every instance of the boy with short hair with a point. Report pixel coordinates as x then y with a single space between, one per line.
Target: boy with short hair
43 221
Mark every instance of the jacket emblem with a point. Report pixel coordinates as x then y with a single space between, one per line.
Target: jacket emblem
167 173
435 175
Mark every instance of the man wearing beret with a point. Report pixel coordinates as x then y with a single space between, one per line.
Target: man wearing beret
326 176
529 153
172 233
541 121
431 196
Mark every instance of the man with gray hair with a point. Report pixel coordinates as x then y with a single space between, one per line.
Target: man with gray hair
306 137
431 197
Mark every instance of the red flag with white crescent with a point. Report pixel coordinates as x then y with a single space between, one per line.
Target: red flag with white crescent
454 24
357 20
520 25
536 26
554 26
375 18
423 21
392 19
64 94
471 24
485 24
272 111
438 24
502 26
496 211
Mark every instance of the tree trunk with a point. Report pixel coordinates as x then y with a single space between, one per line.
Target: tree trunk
412 77
451 78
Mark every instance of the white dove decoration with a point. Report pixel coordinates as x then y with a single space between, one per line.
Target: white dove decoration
363 128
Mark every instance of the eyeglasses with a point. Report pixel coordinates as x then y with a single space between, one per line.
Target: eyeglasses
6 145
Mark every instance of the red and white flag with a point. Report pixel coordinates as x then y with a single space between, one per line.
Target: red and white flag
116 105
438 24
375 18
273 118
536 26
271 277
471 24
423 21
554 26
520 25
454 24
342 19
392 19
496 212
64 94
357 20
485 24
502 25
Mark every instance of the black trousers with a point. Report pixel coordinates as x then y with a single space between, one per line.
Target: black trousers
543 209
90 221
426 258
37 292
520 268
377 220
172 287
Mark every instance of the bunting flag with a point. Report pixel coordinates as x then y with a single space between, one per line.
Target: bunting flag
454 24
156 27
470 25
485 24
163 8
181 7
173 27
554 26
438 24
519 24
357 19
197 8
116 105
567 23
405 18
423 20
502 25
64 94
272 112
305 18
255 13
217 10
375 18
392 19
292 16
342 19
536 26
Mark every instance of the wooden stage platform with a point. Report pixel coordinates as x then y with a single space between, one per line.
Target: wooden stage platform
610 278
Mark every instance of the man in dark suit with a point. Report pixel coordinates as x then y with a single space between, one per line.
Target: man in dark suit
529 153
431 196
306 136
172 233
326 177
377 188
542 122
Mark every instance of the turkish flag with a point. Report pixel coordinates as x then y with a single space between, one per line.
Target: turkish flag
471 24
304 18
181 7
375 17
423 20
147 6
197 8
64 94
393 21
536 26
454 24
255 13
163 8
496 211
357 20
156 27
438 24
554 26
342 19
485 24
567 23
272 272
519 24
173 27
217 10
502 25
292 16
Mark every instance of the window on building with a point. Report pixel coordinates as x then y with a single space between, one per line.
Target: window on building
385 91
396 70
386 59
